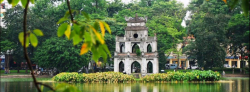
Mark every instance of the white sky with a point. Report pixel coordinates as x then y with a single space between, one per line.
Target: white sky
185 2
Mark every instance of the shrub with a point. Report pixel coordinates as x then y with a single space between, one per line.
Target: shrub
180 76
107 77
138 52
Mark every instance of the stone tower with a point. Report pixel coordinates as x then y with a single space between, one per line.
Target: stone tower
136 37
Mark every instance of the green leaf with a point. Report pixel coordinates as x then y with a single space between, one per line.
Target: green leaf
87 37
9 1
85 15
32 1
92 37
233 3
61 29
107 27
66 14
105 48
20 37
33 40
68 32
76 39
1 1
38 32
24 2
14 2
245 6
42 88
102 28
104 55
27 41
62 20
76 28
95 54
72 34
96 25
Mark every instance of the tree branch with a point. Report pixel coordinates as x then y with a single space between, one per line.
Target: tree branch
24 46
71 15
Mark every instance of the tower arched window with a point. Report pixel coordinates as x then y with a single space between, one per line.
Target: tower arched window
122 48
149 48
135 48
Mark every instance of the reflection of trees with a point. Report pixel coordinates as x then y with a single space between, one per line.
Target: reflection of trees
231 85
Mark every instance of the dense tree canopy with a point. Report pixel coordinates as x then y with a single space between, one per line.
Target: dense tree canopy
57 52
209 26
211 23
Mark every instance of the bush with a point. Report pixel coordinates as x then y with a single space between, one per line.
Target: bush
107 77
138 52
180 76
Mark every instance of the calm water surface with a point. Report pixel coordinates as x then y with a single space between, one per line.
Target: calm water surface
232 85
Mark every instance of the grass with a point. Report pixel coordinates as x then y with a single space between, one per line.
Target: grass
137 79
14 71
15 74
227 78
24 79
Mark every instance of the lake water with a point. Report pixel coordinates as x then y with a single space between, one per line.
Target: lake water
230 85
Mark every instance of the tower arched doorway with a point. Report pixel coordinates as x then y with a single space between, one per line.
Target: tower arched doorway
135 67
150 67
121 66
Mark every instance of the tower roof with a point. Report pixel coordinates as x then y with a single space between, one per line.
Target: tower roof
136 19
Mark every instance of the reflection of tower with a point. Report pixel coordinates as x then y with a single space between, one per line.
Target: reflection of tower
136 47
126 88
231 86
239 85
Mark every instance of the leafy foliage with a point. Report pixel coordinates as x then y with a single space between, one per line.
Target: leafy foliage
244 5
208 25
57 52
104 77
238 33
181 76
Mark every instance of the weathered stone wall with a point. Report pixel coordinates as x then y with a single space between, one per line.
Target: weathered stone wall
136 33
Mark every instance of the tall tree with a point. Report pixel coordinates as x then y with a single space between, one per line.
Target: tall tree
208 25
238 35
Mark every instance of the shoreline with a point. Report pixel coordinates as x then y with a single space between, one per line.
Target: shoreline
47 76
25 76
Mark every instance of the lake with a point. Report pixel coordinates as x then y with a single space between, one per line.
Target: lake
230 85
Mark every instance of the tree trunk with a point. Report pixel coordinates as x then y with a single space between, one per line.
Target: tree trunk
18 68
26 71
7 63
177 62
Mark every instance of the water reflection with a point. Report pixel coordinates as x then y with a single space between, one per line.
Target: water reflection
237 85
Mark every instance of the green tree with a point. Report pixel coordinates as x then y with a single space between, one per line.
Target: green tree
57 52
208 24
114 7
238 34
